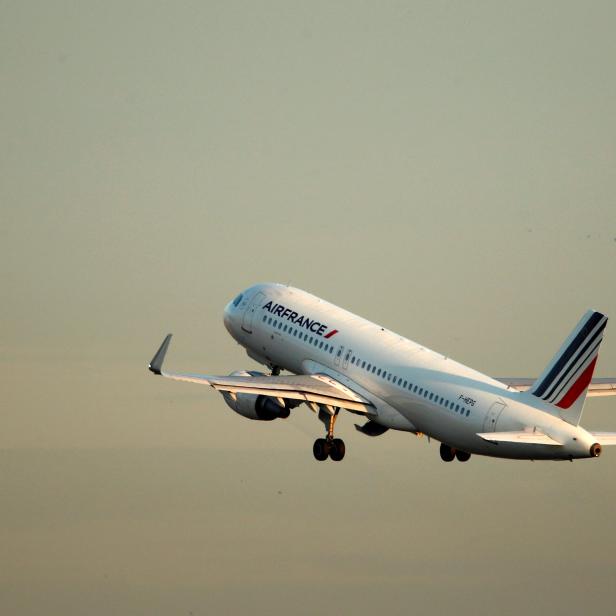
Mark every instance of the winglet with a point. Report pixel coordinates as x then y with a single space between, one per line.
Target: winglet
156 364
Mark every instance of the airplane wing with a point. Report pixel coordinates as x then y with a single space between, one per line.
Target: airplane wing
533 438
605 438
597 388
315 389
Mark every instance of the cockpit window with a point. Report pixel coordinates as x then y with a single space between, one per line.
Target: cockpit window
237 300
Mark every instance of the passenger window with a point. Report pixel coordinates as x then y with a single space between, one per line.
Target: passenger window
373 368
378 372
353 360
420 391
363 364
404 385
468 413
321 344
415 388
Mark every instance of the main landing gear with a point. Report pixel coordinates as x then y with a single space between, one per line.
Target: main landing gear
449 453
329 446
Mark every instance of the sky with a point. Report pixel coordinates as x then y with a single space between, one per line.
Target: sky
443 169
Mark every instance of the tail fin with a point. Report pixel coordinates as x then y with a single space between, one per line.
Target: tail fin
565 381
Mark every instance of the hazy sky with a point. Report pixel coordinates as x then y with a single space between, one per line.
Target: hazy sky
445 169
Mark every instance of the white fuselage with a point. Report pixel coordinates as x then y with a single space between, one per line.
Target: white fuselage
411 387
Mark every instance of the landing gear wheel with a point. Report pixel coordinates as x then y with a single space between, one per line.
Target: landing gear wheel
320 449
447 453
337 450
463 456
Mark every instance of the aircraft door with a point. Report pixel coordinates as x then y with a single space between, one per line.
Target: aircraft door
489 422
345 363
250 312
339 353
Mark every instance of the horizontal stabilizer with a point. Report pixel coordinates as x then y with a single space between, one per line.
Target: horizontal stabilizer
523 436
600 387
605 438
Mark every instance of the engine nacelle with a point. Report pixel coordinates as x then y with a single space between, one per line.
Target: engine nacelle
254 406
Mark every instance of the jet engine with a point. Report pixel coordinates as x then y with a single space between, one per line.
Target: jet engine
255 406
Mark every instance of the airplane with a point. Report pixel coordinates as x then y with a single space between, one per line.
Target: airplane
338 360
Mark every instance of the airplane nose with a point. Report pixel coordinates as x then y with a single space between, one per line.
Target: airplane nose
231 313
226 317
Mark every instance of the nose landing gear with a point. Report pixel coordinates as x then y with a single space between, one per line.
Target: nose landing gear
329 446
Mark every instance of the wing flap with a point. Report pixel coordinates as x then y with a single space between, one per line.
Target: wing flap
523 436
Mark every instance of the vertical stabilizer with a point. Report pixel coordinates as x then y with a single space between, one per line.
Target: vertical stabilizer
565 381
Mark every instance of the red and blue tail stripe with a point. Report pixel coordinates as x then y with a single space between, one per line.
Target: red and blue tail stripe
570 372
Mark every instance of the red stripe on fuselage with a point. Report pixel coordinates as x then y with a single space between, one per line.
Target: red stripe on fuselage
332 333
578 387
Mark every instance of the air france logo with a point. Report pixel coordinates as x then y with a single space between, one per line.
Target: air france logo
299 319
